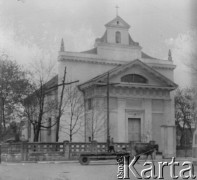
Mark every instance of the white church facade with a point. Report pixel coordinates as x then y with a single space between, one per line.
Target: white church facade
141 106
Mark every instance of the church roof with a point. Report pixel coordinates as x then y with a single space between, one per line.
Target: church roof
91 51
49 86
132 42
103 39
118 22
146 56
121 68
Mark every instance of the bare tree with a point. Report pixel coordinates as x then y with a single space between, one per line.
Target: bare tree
96 120
62 102
42 102
38 108
73 112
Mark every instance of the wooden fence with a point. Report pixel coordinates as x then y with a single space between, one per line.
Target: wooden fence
34 151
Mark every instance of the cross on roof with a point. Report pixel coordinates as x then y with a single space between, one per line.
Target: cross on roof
117 10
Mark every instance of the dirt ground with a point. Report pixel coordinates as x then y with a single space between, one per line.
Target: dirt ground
99 170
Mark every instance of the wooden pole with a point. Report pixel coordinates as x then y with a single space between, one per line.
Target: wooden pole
60 106
61 100
108 134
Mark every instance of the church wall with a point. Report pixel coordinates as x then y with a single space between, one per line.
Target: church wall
113 105
66 116
133 108
154 111
150 111
119 52
64 129
113 125
96 120
81 71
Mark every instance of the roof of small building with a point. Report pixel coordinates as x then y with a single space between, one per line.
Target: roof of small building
49 86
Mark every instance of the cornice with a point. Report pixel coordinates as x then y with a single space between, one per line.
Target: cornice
136 86
91 60
161 66
117 46
97 60
124 93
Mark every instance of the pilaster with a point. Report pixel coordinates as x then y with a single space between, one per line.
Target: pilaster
121 122
148 120
168 134
168 112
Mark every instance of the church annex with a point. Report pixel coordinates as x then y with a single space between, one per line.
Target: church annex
141 106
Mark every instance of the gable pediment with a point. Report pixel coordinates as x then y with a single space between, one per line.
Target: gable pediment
118 22
134 74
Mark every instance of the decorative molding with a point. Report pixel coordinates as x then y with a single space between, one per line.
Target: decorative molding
133 113
136 93
95 59
169 84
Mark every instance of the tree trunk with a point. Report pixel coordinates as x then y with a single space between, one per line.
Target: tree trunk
70 134
36 135
71 137
3 113
36 132
57 130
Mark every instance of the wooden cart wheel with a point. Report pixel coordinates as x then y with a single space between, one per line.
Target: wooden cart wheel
84 160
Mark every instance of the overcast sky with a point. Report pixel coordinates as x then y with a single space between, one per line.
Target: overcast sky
31 28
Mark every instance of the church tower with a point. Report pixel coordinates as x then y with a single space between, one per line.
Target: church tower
116 43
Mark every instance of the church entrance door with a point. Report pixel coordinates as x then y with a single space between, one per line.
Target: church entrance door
134 129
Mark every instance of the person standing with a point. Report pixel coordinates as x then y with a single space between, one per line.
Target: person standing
111 146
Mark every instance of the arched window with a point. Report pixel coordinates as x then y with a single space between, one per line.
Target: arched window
118 37
133 78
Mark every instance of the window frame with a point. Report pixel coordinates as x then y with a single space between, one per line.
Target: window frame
134 78
118 37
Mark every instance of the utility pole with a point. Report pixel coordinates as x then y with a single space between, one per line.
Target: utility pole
60 107
60 104
108 84
108 134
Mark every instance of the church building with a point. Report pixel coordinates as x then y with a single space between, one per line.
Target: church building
128 95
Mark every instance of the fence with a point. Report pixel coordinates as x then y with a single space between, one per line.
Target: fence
27 151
